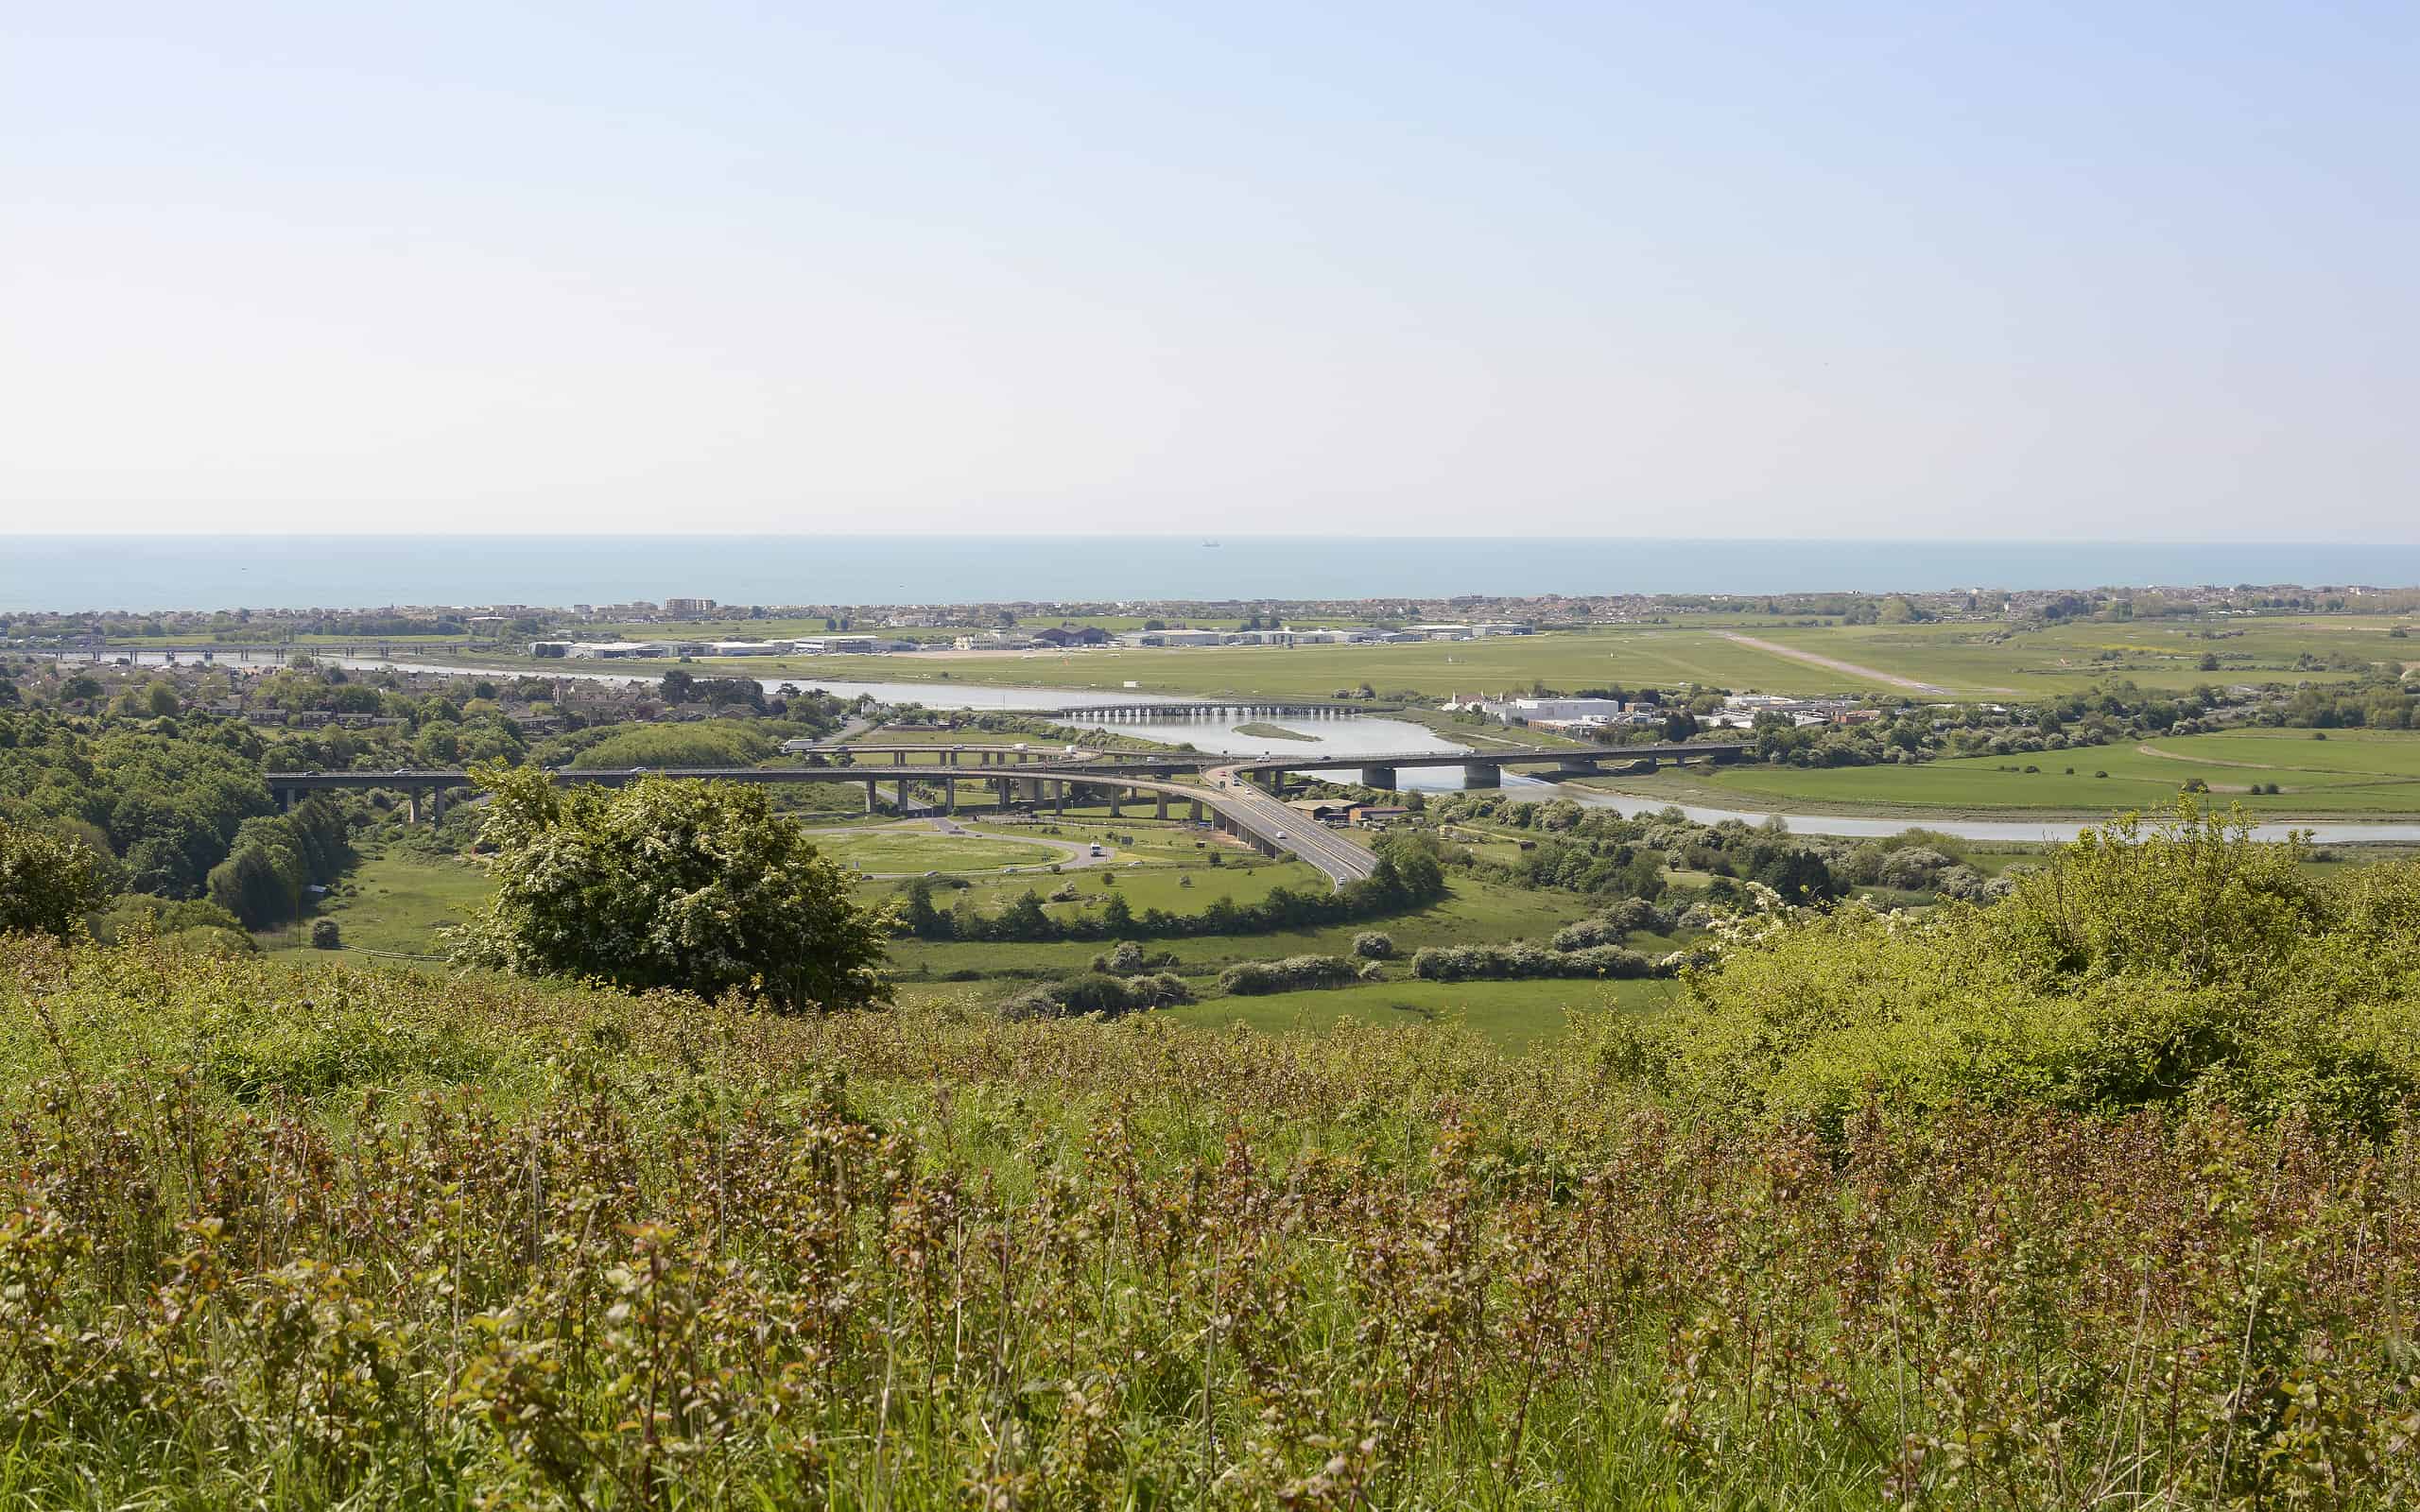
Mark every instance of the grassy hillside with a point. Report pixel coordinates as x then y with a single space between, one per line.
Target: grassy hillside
322 1236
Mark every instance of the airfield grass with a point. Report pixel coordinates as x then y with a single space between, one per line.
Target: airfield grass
1513 1016
1968 660
2351 772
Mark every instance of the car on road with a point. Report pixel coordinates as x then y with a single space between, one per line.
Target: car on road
1095 850
1282 836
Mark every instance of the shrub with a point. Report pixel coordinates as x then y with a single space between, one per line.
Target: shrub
696 886
1097 992
47 883
1373 945
2181 964
1293 974
324 935
1517 961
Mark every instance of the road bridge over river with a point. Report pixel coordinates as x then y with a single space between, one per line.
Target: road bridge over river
1235 794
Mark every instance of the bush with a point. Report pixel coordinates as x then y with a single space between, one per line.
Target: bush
47 883
1097 992
324 935
1516 962
696 886
2177 965
1373 945
1617 923
1293 974
1915 868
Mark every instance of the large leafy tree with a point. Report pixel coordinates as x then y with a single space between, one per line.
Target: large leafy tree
689 885
47 883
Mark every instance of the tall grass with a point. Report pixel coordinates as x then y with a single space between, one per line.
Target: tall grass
280 1238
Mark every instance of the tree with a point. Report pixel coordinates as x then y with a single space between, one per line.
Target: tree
669 883
46 882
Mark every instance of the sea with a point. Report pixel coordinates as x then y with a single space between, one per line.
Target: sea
65 572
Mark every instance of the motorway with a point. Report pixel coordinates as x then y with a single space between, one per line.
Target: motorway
1341 859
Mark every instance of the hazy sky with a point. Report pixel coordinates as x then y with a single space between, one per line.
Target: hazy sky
2024 269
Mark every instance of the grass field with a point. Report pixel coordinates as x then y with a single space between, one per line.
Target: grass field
2351 772
1513 1016
1473 911
916 847
398 903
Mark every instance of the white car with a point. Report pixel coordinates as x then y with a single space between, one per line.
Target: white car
1282 836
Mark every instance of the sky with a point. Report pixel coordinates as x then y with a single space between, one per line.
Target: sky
2106 271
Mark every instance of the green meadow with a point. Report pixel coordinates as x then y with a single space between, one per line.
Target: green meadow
2348 773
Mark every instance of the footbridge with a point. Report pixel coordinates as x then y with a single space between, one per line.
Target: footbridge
1240 708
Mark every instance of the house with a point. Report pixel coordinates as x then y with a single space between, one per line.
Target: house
747 647
1175 638
1535 710
1324 810
1378 815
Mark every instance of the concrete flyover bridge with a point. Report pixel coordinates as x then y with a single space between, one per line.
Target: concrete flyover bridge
1237 809
1486 768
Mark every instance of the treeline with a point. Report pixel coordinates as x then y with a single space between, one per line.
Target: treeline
163 803
277 859
1516 962
1407 875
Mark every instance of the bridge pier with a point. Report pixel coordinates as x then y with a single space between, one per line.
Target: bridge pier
1482 774
1058 796
1197 811
1381 778
873 804
899 793
949 793
1164 804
